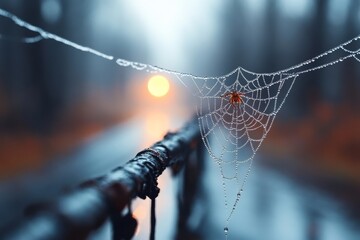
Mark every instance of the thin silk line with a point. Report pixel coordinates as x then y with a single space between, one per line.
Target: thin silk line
152 68
46 35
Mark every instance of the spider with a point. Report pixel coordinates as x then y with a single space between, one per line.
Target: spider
235 97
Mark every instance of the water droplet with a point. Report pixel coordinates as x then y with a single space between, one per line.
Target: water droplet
226 229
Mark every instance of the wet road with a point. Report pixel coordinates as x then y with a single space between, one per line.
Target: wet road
276 207
273 206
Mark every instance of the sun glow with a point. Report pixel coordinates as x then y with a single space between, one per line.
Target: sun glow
158 86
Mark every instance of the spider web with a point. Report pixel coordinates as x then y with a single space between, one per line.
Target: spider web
232 133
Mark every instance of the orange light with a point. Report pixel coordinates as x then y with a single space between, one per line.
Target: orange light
141 213
158 86
156 125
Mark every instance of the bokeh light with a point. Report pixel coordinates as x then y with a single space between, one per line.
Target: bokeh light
158 86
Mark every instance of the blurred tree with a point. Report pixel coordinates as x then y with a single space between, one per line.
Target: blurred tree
271 58
233 39
310 87
39 92
350 75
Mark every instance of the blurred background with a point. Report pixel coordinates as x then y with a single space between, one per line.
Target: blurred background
66 115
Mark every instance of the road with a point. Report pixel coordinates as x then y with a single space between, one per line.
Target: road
273 206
